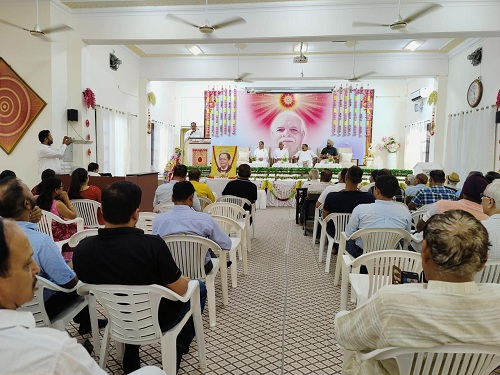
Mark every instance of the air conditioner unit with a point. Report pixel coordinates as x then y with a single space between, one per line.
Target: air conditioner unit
416 95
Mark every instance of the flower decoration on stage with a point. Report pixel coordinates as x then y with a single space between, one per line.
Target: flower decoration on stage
284 159
175 159
89 98
389 144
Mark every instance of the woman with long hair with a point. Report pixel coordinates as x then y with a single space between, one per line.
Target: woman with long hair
54 199
45 174
80 189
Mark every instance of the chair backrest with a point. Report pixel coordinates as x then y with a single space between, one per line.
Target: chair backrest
229 226
36 306
382 238
78 236
132 310
145 221
380 266
451 359
204 201
490 272
189 253
45 223
87 210
230 210
416 216
339 222
163 207
235 200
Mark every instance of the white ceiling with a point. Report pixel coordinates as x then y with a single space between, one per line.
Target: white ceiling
271 28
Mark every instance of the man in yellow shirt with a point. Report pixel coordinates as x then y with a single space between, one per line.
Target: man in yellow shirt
202 190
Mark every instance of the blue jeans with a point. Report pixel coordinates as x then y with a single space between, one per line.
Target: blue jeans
353 249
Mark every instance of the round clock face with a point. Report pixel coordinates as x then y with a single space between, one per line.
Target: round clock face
474 93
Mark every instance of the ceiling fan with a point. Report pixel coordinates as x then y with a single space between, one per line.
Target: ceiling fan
401 23
354 77
208 28
241 77
37 30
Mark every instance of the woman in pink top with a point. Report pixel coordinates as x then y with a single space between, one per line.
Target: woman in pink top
54 199
80 189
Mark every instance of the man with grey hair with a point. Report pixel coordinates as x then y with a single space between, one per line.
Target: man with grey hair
329 150
280 152
452 308
419 182
489 199
290 129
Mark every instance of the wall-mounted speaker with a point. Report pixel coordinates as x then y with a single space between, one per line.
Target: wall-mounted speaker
72 115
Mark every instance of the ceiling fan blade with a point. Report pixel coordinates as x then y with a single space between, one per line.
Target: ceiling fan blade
57 29
13 25
229 22
181 20
357 24
242 76
422 12
361 76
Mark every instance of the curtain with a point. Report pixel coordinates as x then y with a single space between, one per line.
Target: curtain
470 142
116 151
415 143
163 144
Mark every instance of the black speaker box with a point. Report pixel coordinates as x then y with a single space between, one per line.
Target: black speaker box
72 115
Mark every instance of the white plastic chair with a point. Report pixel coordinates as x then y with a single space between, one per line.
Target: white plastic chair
189 255
204 201
235 212
339 222
451 359
490 272
132 312
380 269
75 239
229 226
163 207
241 202
416 216
318 220
145 221
87 210
45 225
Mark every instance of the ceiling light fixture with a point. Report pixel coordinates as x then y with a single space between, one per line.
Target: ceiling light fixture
289 89
413 45
194 49
296 47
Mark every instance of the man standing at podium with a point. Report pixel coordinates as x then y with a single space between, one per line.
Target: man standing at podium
193 133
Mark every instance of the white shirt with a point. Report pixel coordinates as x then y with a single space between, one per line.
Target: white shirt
492 225
50 158
366 188
25 349
94 174
261 153
331 189
420 316
190 134
305 156
280 154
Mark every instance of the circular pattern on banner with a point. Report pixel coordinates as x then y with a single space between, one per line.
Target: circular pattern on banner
13 98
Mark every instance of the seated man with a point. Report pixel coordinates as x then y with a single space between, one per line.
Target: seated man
368 187
164 192
452 180
261 154
183 220
305 157
122 254
25 349
450 308
202 190
420 182
280 153
93 170
435 192
338 186
17 202
491 208
347 200
329 151
242 187
325 181
384 213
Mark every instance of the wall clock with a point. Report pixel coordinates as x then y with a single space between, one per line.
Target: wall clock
474 93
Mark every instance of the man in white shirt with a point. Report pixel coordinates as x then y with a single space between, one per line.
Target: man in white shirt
261 154
48 157
305 156
489 199
280 152
93 170
193 133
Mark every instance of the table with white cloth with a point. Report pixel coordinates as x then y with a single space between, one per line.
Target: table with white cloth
257 164
280 164
279 193
327 165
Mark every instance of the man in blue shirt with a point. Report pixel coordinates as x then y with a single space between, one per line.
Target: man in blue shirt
16 202
434 193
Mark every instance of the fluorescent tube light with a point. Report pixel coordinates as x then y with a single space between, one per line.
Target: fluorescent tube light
413 45
194 49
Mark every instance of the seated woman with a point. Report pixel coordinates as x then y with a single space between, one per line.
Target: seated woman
80 189
54 199
450 308
45 174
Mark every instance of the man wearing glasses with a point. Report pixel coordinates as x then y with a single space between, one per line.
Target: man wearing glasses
489 201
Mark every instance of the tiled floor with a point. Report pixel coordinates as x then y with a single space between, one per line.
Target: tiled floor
280 317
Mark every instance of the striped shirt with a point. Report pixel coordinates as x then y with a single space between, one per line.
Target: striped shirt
419 316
